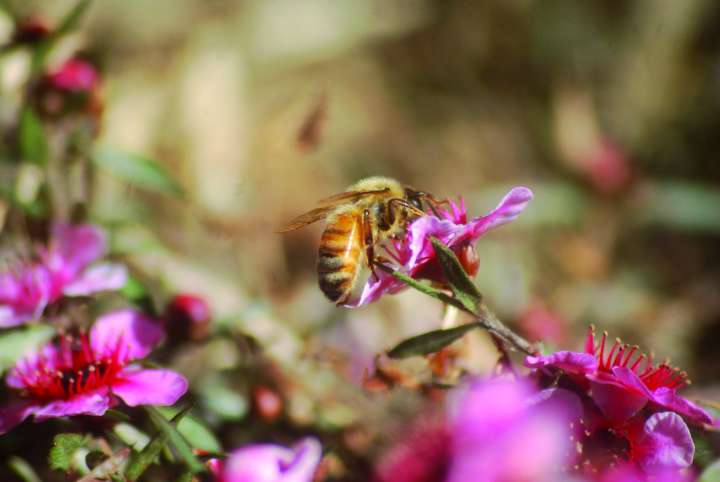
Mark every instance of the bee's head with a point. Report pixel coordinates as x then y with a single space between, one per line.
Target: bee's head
415 198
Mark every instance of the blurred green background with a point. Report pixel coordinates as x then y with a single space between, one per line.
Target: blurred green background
609 111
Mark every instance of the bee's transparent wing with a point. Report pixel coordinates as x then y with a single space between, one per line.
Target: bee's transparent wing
307 218
348 196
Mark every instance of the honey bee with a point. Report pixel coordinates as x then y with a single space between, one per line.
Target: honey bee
370 212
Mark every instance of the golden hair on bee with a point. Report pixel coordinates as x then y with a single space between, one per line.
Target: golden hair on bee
357 221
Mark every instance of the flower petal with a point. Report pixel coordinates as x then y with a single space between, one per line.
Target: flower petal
14 414
570 361
615 400
273 463
95 403
666 444
669 399
101 277
507 210
375 288
77 245
129 333
150 387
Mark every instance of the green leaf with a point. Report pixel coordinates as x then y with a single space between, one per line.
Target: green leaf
67 25
462 286
682 206
22 469
711 473
137 170
196 433
33 144
430 342
139 463
64 447
175 437
72 18
131 436
422 287
16 343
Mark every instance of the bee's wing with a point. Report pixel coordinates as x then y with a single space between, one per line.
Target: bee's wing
348 196
327 206
307 218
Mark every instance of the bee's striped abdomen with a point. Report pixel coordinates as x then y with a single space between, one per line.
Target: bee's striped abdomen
339 257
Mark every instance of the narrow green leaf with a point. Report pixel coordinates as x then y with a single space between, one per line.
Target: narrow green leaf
462 286
22 469
64 447
140 462
422 287
195 432
72 18
69 23
131 436
33 144
176 439
136 169
430 342
711 473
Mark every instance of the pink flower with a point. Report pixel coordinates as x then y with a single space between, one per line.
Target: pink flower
415 256
494 431
85 375
75 75
64 268
270 463
621 382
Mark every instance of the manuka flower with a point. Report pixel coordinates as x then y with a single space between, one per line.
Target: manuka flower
64 268
494 431
86 375
414 253
75 75
622 381
269 463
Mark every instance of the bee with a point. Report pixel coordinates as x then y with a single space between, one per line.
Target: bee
360 219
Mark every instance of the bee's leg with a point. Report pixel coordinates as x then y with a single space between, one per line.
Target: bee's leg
367 235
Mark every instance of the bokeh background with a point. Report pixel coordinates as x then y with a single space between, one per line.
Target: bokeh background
609 111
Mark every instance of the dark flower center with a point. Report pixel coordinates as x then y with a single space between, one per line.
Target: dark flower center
71 370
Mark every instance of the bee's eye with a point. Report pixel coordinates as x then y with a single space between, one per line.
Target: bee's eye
417 202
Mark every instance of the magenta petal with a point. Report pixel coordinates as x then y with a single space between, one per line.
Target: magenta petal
374 289
11 317
129 333
79 245
570 361
150 387
273 463
615 400
669 399
14 414
666 443
507 210
101 277
95 403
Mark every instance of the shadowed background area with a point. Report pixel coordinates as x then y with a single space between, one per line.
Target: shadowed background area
608 111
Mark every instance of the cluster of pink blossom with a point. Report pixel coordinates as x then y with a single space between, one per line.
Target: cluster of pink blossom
606 413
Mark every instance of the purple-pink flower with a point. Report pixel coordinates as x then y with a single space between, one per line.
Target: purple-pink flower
621 381
75 75
87 374
414 253
494 431
270 463
64 268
